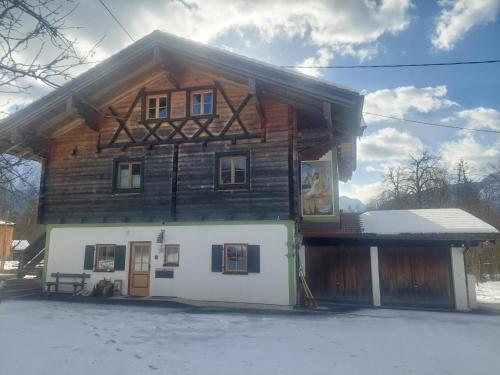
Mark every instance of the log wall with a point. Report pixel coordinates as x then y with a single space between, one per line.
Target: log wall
77 181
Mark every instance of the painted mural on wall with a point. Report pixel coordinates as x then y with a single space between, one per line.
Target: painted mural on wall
317 188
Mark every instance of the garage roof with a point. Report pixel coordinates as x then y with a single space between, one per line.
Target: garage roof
447 224
423 221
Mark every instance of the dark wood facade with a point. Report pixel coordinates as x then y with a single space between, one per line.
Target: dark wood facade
340 273
179 172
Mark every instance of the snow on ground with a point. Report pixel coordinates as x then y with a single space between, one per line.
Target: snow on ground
488 292
47 338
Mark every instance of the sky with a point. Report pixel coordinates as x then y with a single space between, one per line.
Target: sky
339 32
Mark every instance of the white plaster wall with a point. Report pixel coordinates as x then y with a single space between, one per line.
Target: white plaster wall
459 283
193 279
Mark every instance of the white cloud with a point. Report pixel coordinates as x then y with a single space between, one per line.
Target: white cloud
325 23
364 192
399 101
388 145
480 117
477 155
323 58
459 16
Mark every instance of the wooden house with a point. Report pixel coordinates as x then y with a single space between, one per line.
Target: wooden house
178 169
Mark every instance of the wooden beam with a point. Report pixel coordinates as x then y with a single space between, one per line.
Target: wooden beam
254 91
90 114
327 115
173 196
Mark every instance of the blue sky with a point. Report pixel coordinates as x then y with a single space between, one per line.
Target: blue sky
348 32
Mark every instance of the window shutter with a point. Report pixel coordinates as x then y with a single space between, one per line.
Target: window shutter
120 254
217 251
88 263
253 259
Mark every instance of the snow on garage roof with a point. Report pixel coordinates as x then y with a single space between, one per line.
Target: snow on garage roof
423 221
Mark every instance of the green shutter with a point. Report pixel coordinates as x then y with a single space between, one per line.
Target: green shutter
88 263
217 251
120 255
253 259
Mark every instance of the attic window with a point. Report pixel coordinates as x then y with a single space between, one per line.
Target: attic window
202 103
156 106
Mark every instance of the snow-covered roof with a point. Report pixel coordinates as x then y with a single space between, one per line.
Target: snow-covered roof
423 221
6 223
20 244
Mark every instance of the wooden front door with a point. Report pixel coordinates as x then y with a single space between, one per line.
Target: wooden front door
140 255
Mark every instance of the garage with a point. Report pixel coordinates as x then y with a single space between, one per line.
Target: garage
416 276
392 258
339 273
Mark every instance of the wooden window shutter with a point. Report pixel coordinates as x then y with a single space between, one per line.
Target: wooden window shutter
253 259
217 251
88 263
120 255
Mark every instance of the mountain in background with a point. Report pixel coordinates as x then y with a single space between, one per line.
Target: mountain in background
351 204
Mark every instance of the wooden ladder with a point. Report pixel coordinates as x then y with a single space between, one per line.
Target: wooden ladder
307 292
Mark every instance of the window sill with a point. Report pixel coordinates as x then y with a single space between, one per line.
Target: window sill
229 189
234 273
104 271
170 265
127 192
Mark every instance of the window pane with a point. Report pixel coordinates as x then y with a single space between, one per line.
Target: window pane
197 104
172 255
225 177
163 102
123 176
136 181
225 164
240 164
207 103
239 177
152 108
106 258
236 258
162 112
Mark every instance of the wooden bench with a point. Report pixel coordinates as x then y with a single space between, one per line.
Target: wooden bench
76 284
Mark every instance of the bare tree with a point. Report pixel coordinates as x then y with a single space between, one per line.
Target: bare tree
395 185
35 44
425 174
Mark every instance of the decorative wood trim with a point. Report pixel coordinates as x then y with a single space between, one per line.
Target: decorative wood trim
202 135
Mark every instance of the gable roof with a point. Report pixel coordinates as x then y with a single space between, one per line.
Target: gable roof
418 224
346 104
423 221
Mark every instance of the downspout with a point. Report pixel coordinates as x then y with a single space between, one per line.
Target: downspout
466 274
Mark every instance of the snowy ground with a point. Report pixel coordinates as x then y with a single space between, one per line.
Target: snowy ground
488 292
51 338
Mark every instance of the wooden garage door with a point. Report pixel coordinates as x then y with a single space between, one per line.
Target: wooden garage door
340 273
416 276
